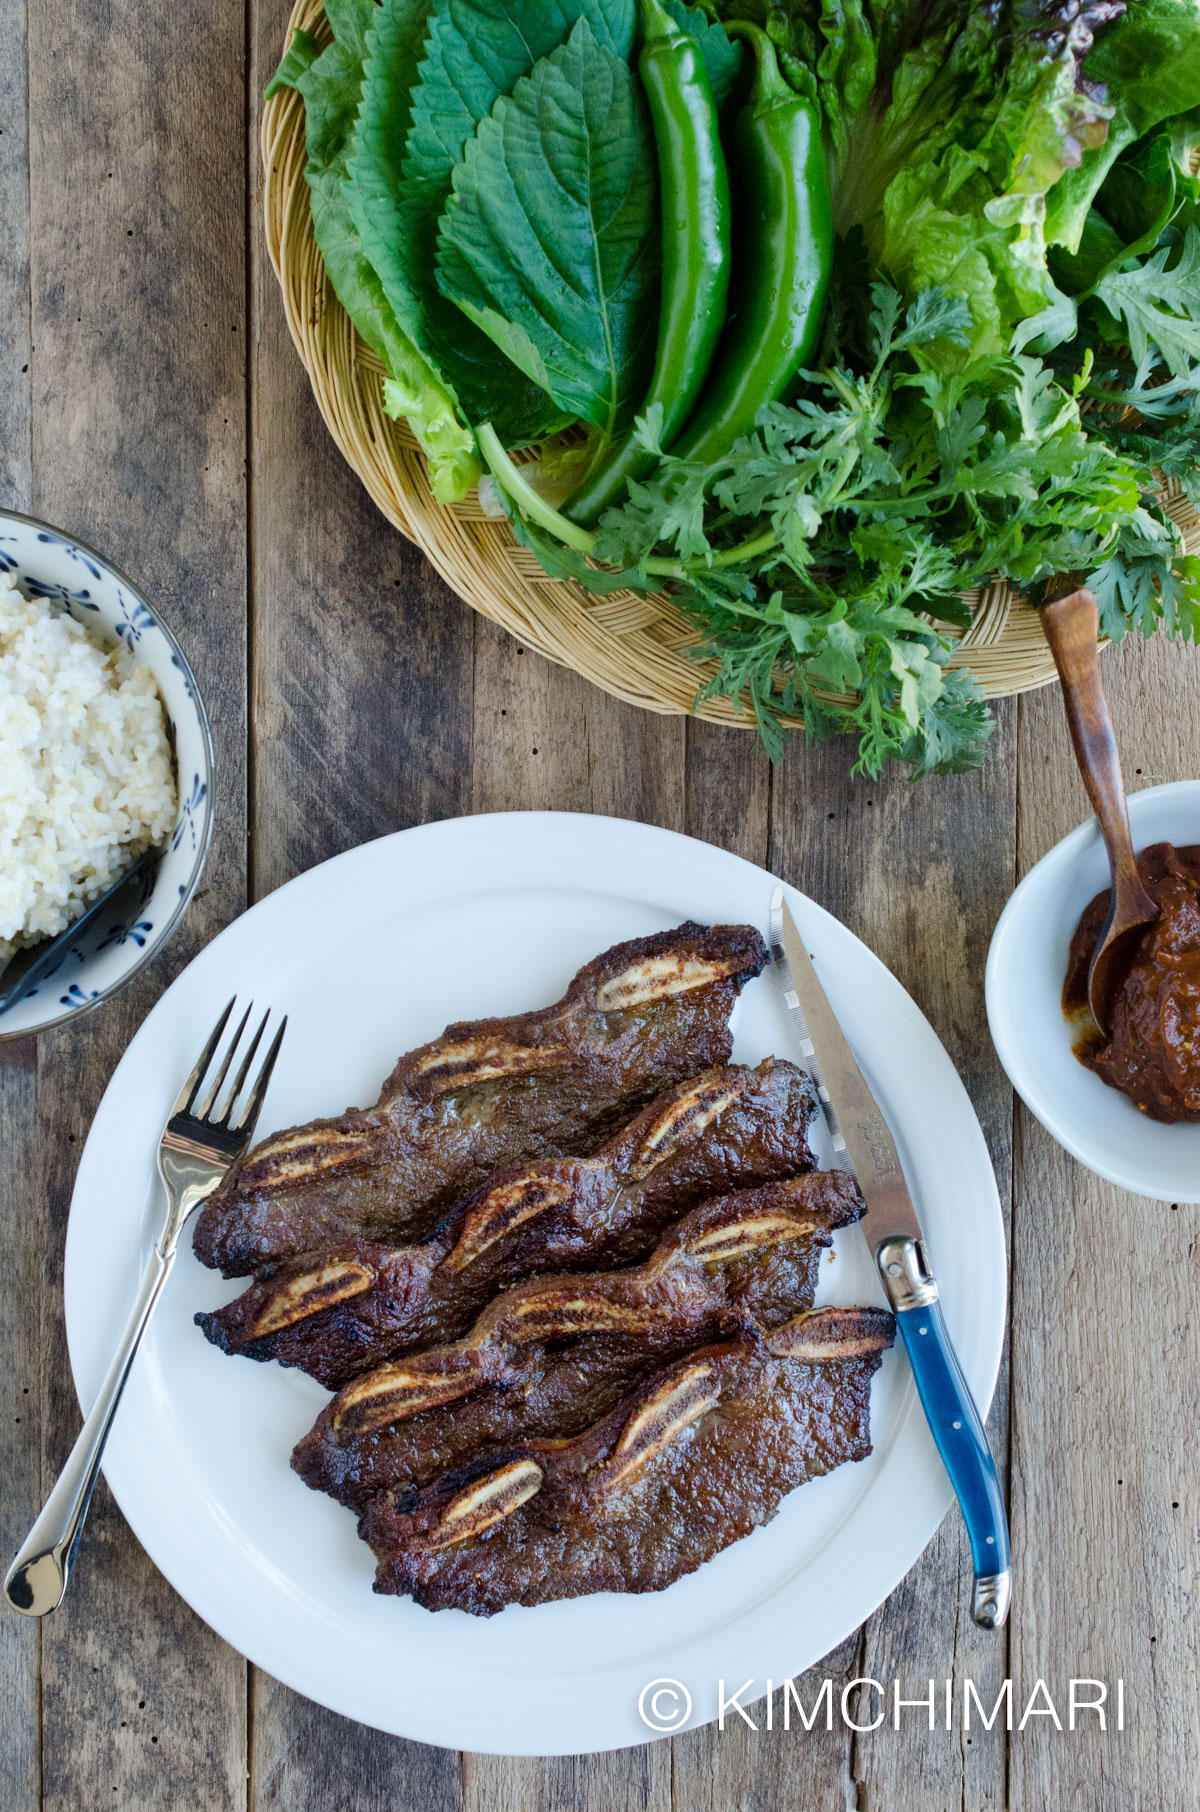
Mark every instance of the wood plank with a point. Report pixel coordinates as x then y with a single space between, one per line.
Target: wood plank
20 1301
15 460
303 1757
635 1780
544 739
362 656
138 445
730 787
1105 1463
728 790
361 725
772 1770
921 875
20 1394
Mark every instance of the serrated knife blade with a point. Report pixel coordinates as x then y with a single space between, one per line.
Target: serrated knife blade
860 1134
863 1144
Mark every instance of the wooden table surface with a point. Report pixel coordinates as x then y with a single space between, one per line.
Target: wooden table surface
152 403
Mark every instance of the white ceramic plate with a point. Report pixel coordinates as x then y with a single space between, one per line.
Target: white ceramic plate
1025 969
371 954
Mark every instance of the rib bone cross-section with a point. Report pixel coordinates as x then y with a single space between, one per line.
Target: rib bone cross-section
695 1459
549 1357
494 1092
339 1311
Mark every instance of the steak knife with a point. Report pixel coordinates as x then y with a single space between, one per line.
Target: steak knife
863 1145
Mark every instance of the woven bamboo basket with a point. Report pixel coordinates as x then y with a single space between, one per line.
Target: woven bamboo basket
633 647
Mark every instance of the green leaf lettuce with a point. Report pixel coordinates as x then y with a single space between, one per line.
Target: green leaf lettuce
949 124
1148 61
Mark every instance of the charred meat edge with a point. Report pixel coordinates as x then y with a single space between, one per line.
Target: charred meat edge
625 979
506 1343
551 1356
394 1284
599 1474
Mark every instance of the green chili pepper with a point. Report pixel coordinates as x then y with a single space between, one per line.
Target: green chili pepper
783 248
695 248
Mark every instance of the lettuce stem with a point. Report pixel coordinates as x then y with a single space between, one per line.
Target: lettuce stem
531 503
512 480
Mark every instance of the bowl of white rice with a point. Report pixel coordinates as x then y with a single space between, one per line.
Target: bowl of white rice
105 754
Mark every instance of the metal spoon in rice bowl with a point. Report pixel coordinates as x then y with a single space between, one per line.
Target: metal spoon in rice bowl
25 969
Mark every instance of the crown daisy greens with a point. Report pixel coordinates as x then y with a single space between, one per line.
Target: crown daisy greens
1009 362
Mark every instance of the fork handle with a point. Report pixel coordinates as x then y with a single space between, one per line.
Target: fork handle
37 1579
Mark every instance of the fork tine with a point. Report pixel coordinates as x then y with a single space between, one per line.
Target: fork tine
205 1109
243 1071
190 1089
249 1114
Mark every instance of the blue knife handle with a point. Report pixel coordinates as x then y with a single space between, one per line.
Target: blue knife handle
955 1425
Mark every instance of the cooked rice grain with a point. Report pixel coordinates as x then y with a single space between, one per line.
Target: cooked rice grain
86 776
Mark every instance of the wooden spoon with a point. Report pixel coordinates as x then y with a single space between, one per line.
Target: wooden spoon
1072 624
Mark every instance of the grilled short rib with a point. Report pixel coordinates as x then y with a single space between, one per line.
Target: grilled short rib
640 1017
552 1356
337 1312
701 1454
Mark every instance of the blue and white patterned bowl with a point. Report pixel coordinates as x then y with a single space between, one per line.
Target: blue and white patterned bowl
75 579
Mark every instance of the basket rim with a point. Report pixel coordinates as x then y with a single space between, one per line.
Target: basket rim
631 647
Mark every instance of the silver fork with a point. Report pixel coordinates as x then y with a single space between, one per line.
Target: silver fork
198 1146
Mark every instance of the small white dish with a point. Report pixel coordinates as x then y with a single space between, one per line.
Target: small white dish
1025 968
73 578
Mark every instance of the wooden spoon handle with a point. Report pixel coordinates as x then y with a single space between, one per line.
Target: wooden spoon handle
1072 625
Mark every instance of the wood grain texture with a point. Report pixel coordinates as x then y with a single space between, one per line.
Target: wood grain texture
772 1769
362 657
303 1757
360 725
921 875
25 1228
138 444
1105 1463
546 740
159 410
20 1396
16 382
732 795
727 791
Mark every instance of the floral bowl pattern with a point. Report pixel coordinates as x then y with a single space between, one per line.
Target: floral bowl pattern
71 577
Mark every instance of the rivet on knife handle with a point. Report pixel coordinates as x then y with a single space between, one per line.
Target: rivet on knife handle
863 1140
954 1423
